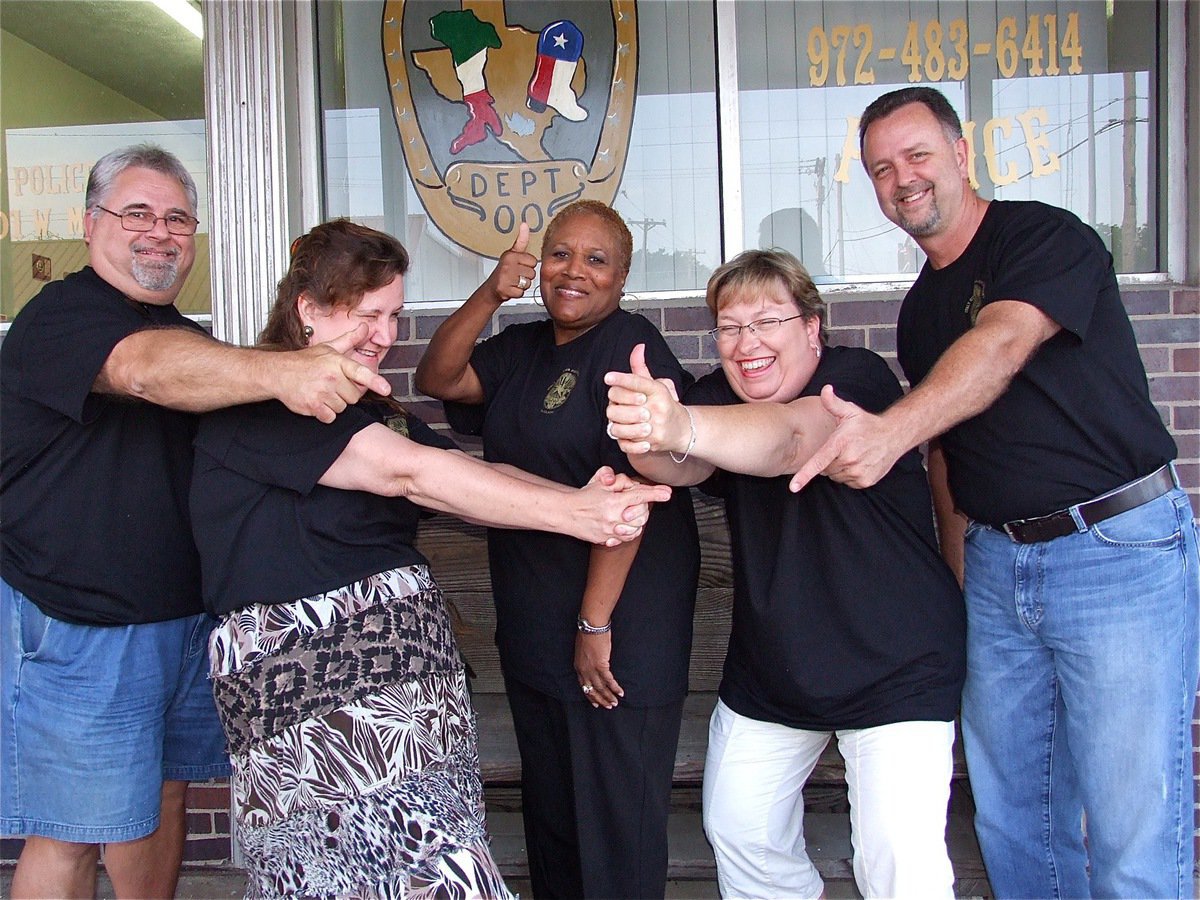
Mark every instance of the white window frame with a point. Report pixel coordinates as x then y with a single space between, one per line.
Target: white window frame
265 156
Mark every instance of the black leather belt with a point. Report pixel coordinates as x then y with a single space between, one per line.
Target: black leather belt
1123 499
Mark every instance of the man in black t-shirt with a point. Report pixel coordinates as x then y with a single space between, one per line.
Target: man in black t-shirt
1056 494
107 712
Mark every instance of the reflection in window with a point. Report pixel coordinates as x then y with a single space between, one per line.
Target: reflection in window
1056 99
669 196
476 116
1101 166
76 81
804 189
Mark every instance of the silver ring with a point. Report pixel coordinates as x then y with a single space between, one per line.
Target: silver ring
608 431
523 282
587 688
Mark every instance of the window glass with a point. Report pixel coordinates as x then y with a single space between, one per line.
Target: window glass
1057 99
447 124
76 81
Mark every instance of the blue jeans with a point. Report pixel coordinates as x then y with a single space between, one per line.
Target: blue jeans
94 719
1081 678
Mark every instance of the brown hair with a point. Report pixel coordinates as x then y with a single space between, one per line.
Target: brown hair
612 220
933 100
755 268
334 264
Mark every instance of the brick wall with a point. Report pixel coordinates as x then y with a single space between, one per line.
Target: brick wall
209 840
1165 319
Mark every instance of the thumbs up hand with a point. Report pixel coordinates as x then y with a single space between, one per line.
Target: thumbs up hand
644 413
516 270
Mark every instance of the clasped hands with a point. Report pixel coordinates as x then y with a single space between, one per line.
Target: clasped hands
622 518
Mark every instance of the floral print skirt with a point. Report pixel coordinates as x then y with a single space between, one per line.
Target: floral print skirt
352 738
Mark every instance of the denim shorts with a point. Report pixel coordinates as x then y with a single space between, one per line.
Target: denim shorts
96 718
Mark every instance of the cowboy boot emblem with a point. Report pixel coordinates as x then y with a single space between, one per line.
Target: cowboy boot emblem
505 121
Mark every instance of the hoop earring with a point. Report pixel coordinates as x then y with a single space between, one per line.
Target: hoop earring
629 297
537 295
308 332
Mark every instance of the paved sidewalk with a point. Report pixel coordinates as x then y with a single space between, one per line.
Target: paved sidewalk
229 884
194 884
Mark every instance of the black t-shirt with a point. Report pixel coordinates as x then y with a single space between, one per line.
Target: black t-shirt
1077 420
845 615
544 412
267 531
95 516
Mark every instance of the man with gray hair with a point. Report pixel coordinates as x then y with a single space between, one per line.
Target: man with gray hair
107 711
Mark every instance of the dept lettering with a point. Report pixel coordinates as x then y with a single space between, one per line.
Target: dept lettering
504 196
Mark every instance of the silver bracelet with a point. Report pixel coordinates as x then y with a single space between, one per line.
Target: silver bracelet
691 443
586 627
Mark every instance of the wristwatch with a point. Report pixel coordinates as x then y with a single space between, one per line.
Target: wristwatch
587 627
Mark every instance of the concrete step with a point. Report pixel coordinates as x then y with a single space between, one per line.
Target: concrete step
501 763
691 858
691 868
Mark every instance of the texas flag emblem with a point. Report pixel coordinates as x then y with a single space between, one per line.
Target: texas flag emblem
558 50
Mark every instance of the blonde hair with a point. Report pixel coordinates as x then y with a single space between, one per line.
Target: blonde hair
754 268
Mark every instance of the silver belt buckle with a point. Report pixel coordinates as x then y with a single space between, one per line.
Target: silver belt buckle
1008 528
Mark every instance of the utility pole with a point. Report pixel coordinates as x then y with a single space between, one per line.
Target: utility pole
816 168
841 233
645 225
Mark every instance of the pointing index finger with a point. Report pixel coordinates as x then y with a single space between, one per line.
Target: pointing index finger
816 464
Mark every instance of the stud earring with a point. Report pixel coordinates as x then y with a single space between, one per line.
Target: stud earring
308 331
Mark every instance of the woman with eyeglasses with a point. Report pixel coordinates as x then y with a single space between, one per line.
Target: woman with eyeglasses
594 643
846 621
334 665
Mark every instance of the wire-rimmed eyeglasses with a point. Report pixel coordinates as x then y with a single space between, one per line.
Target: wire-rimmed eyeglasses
144 220
728 333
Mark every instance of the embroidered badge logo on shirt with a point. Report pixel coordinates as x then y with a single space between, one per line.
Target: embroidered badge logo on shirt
975 303
560 390
398 423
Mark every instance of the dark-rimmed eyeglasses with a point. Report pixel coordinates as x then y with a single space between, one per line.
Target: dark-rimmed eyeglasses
144 220
730 333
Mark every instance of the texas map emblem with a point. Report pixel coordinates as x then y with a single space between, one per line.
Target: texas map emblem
504 122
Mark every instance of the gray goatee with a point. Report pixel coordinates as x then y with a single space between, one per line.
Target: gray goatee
155 275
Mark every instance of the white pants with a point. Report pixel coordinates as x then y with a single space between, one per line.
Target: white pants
899 780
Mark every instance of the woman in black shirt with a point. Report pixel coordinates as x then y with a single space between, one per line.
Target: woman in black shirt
334 664
594 643
846 621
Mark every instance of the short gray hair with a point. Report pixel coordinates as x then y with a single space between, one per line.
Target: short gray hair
142 156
